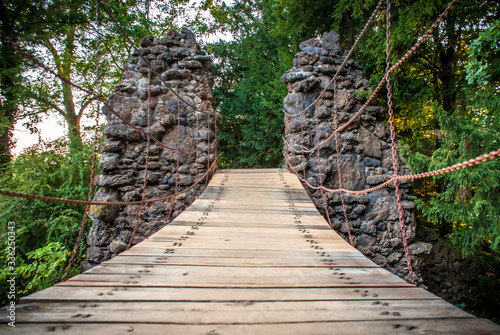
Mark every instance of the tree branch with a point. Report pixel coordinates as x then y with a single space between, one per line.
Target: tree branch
57 59
48 103
84 105
23 115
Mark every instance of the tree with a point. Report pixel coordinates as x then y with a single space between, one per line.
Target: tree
83 45
45 231
249 94
469 201
434 103
70 46
14 23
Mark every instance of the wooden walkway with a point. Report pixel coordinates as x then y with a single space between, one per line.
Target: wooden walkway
250 256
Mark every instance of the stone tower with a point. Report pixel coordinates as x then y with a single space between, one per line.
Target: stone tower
365 153
187 69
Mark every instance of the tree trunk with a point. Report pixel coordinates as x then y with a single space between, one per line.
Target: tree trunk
64 64
8 106
72 118
6 134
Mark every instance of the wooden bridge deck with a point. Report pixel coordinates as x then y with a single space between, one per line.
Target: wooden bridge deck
250 256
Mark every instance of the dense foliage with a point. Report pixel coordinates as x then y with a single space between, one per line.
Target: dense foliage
446 95
249 94
45 232
446 101
80 42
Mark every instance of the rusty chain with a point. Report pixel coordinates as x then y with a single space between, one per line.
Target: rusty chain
146 61
403 59
339 170
358 39
95 95
480 159
393 142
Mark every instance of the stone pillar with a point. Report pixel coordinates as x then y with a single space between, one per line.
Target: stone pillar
187 69
365 153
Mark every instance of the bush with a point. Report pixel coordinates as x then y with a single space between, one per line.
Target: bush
45 231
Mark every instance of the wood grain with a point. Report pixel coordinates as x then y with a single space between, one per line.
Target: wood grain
252 255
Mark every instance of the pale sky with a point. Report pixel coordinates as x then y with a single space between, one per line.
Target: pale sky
50 129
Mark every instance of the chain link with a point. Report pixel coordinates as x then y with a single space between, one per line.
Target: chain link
339 170
393 142
480 159
403 59
358 39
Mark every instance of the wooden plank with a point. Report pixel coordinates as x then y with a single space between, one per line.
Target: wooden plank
258 207
243 246
177 229
192 276
253 237
262 188
173 230
249 265
229 223
243 271
256 216
239 312
235 270
221 172
241 260
109 293
159 252
471 326
275 221
203 203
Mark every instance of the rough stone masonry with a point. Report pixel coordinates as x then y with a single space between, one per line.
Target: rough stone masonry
187 69
365 154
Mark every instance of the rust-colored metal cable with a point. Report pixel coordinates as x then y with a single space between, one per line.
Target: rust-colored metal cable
303 161
177 163
318 154
216 149
302 121
208 151
393 142
97 96
403 59
90 194
198 141
339 169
